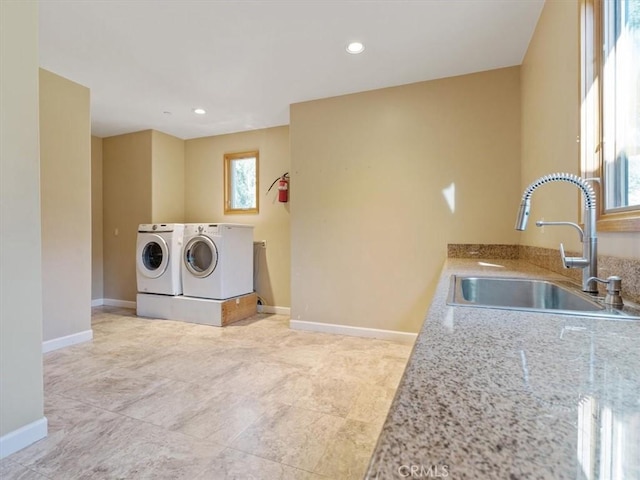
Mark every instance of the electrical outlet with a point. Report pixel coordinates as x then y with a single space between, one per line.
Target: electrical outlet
260 243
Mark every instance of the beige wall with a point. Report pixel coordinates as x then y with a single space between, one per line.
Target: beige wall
204 200
97 284
65 186
551 123
167 184
143 182
127 197
550 127
21 395
370 172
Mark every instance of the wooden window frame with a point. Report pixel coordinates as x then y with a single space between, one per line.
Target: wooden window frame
228 159
591 151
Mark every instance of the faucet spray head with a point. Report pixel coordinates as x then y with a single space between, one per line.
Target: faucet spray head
523 214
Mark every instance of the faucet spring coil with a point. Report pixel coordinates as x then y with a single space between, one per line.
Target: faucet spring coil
589 193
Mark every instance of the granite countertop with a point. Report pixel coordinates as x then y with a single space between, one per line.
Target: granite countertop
493 393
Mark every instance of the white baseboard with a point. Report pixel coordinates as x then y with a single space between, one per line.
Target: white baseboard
392 335
112 302
272 309
97 302
61 342
23 437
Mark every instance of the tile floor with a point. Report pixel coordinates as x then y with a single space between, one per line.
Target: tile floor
159 399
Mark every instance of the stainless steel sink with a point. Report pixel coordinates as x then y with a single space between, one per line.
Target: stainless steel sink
528 295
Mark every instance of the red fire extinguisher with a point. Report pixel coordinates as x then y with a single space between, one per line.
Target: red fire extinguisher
283 188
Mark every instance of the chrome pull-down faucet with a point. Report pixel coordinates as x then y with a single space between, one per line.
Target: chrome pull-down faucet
589 260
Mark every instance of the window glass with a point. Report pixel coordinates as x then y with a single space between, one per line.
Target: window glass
241 182
620 68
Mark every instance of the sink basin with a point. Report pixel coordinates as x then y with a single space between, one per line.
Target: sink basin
519 293
527 295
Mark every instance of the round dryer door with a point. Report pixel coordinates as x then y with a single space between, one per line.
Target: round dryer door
153 256
200 256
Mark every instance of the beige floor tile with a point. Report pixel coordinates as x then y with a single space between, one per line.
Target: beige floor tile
201 337
320 393
117 325
162 399
78 446
390 371
224 422
347 456
334 396
362 345
301 338
358 366
255 378
65 369
309 356
181 363
171 404
155 454
117 389
374 368
290 435
372 404
235 465
200 411
89 443
13 471
64 413
59 378
398 350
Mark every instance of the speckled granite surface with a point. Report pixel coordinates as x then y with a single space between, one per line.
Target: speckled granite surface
475 250
502 394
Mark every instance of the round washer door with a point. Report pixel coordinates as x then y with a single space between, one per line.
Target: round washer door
200 256
153 256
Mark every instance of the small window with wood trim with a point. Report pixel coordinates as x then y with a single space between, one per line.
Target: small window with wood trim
241 182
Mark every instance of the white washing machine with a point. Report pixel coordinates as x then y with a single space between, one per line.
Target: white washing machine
158 251
217 260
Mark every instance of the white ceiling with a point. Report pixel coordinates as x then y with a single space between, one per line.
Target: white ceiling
246 61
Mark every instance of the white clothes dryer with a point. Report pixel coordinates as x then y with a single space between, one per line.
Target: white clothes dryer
158 251
217 260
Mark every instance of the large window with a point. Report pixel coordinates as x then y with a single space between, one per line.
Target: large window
611 108
241 182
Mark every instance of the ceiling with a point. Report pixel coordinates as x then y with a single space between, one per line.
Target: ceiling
149 63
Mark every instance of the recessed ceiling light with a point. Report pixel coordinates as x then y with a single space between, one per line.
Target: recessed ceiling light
355 48
199 111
